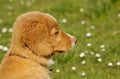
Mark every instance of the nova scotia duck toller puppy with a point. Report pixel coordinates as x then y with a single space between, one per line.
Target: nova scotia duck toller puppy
36 37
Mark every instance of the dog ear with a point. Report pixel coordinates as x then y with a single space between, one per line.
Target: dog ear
34 33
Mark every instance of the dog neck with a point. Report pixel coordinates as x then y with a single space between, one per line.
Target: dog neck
29 54
43 61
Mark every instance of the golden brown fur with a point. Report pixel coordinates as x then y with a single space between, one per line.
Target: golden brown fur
36 37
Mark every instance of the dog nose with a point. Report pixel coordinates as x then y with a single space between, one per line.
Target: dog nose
74 39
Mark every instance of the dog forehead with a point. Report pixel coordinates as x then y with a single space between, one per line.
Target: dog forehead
51 17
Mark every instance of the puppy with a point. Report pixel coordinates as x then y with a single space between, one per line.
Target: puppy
36 37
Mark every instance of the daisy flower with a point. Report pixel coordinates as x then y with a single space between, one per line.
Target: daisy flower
82 55
89 44
83 22
57 70
73 68
110 64
4 30
83 73
64 20
118 63
88 34
81 9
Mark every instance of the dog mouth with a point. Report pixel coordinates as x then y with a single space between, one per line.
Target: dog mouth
58 51
61 51
54 53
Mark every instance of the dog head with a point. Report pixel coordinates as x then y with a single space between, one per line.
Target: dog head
39 32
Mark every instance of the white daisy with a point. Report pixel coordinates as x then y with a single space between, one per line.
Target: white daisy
64 20
118 63
110 64
88 34
10 30
92 27
83 62
73 68
4 30
119 15
103 49
82 55
83 73
57 70
81 10
5 49
102 46
97 55
99 59
83 22
92 53
1 46
89 44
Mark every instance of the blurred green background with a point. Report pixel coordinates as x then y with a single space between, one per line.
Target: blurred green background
95 23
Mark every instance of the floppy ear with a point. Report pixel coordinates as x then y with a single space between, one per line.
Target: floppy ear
34 34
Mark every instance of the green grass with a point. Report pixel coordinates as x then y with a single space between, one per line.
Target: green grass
102 14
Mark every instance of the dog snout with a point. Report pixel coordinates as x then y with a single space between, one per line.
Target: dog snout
74 39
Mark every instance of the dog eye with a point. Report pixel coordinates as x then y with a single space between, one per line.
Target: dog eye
56 33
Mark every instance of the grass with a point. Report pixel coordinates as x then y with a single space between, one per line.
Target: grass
100 18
